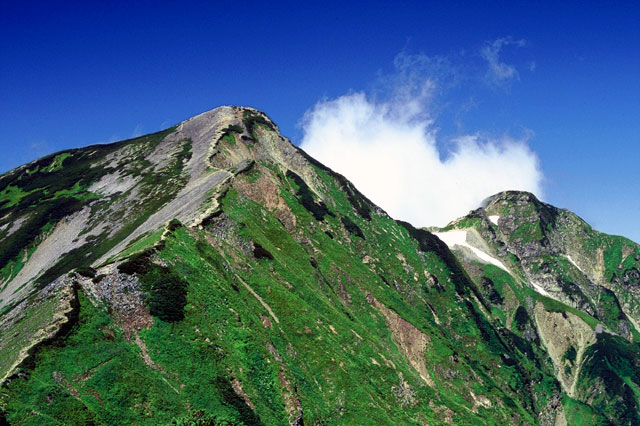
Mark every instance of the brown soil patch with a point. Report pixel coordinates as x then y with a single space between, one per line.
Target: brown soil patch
95 394
134 320
266 191
410 341
266 321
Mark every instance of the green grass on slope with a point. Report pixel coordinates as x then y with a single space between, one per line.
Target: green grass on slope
579 414
261 336
11 195
328 246
91 375
611 379
141 243
322 371
619 253
18 337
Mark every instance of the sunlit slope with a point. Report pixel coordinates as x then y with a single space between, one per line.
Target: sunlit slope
564 286
216 274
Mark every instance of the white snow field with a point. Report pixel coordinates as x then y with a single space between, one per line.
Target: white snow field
459 238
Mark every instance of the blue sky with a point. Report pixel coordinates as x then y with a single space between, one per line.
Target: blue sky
561 77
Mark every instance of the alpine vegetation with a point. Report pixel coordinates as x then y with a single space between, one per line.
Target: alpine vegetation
216 274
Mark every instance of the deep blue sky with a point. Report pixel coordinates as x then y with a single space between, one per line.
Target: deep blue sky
78 73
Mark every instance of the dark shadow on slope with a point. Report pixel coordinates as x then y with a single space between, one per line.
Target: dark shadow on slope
305 195
246 414
360 202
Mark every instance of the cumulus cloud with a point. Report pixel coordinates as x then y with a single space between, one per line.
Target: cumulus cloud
499 72
389 150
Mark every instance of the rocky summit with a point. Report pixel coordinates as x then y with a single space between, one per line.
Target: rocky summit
215 274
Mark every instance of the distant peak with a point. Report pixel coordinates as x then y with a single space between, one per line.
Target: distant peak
227 110
510 196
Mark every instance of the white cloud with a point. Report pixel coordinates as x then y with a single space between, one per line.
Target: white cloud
499 72
388 150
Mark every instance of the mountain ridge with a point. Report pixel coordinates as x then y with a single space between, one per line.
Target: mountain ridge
238 280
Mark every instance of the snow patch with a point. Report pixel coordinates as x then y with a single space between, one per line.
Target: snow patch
574 263
494 219
540 290
459 238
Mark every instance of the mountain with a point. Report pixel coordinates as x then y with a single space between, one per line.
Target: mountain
572 290
215 274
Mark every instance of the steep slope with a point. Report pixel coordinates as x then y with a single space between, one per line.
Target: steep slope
214 273
561 284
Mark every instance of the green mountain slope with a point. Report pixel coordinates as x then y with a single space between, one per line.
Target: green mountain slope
215 274
568 288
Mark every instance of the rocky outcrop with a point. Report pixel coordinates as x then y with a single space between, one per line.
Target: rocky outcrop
33 323
553 254
566 337
411 342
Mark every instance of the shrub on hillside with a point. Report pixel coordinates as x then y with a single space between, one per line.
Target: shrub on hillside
167 293
260 252
166 290
86 271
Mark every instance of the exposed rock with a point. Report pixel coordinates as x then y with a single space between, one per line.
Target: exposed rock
560 332
55 307
411 342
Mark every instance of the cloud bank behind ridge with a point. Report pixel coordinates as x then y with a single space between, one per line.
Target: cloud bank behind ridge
389 150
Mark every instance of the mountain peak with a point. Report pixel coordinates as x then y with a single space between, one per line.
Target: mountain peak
218 243
511 197
110 195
